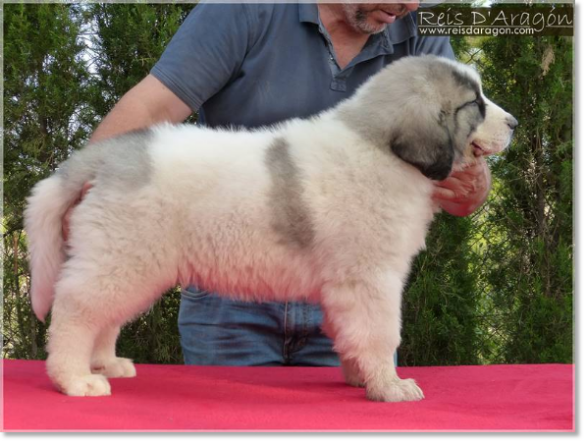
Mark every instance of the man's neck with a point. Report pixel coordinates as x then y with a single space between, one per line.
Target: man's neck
346 40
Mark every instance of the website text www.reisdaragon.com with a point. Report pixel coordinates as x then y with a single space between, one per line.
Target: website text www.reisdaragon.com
475 30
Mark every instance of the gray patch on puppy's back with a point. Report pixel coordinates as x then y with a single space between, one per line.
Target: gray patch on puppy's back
122 162
291 218
129 165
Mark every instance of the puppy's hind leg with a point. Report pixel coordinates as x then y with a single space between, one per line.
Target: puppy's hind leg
352 373
104 360
75 325
350 368
364 317
91 297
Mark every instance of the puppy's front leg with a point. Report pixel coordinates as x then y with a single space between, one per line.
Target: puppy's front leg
365 320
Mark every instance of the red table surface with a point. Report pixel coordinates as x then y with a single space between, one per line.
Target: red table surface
182 398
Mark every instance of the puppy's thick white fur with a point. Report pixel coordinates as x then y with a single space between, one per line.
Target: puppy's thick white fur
309 210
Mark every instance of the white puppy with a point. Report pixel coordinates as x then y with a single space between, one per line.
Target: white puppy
328 210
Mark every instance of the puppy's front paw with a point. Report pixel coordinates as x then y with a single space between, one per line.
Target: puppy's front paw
395 391
86 386
115 368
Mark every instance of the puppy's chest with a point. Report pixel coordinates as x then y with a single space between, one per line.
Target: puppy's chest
397 219
378 189
385 211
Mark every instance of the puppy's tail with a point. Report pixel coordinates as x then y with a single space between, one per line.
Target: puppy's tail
46 206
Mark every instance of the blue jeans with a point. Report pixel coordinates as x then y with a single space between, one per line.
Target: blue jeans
222 332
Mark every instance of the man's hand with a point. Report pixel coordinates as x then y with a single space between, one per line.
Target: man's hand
65 222
463 192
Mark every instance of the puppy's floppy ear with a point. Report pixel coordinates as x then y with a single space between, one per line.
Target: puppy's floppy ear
426 144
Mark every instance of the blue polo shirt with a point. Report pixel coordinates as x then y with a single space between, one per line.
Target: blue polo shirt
257 64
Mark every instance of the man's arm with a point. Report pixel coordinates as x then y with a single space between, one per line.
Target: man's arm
198 62
148 103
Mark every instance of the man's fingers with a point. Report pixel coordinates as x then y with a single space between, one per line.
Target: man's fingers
464 191
443 194
453 189
475 170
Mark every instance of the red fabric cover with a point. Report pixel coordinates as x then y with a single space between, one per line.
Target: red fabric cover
508 397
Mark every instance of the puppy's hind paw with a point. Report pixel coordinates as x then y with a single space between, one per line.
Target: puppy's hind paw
354 380
396 391
87 386
352 374
115 368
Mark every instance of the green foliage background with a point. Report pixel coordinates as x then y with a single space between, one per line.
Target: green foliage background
496 287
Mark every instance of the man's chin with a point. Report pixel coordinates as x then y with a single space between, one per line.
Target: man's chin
377 29
373 27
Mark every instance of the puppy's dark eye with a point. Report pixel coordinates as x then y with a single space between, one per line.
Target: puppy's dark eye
477 102
481 106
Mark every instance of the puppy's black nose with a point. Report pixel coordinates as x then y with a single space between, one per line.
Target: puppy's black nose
512 122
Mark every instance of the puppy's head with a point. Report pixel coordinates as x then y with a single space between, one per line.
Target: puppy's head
431 113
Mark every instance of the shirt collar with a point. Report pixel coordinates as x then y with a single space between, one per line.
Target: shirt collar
308 13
